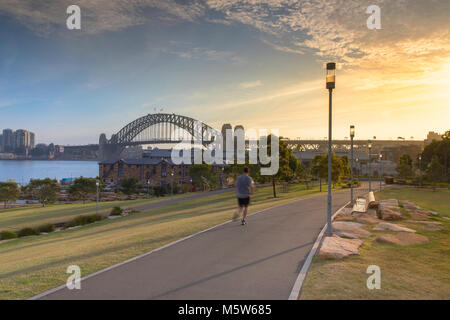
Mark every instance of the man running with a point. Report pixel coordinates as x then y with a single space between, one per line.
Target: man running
245 187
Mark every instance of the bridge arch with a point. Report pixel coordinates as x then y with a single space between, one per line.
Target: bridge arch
124 137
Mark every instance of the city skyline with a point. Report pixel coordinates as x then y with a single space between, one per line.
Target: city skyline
259 65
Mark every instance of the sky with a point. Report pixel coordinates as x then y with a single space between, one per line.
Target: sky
255 63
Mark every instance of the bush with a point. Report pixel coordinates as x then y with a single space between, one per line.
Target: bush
7 235
116 211
47 228
82 220
27 232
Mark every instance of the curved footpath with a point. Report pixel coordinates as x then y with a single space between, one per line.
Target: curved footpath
258 261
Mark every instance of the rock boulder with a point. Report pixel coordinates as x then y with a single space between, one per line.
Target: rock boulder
338 248
402 238
385 226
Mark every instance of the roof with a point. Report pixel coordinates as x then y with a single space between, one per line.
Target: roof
138 161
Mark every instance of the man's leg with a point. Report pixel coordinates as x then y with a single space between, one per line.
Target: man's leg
237 213
245 213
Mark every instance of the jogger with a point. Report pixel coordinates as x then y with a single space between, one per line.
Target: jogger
244 187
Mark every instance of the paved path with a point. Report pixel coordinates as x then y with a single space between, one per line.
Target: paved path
257 261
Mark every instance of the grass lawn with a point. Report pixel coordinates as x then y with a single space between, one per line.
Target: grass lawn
419 271
17 218
31 265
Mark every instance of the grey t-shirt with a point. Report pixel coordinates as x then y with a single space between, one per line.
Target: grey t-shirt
244 182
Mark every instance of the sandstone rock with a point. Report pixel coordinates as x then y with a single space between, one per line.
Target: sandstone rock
366 218
338 248
446 218
372 212
434 213
344 218
408 205
419 214
389 203
429 225
360 205
389 214
392 227
402 238
350 230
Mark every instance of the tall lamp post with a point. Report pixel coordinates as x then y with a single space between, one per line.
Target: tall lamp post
97 184
352 135
330 85
381 169
370 179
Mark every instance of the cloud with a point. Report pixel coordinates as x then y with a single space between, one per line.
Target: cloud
412 30
252 84
44 17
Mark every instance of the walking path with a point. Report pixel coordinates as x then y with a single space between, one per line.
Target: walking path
258 261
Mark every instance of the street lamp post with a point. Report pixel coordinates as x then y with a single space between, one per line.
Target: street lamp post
420 170
381 169
370 179
97 184
148 188
171 185
352 135
330 85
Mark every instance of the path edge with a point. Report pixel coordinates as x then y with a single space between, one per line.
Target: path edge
296 289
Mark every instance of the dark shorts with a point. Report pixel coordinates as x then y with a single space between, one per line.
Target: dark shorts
243 202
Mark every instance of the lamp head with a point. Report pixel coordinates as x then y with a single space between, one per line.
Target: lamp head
331 75
352 131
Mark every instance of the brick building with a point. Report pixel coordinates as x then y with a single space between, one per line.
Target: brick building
155 172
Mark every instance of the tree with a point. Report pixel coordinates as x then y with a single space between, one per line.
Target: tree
338 167
442 150
9 191
203 176
435 171
129 186
82 188
45 190
404 167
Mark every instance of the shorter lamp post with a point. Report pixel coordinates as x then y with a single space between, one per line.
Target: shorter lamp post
352 135
420 169
148 188
97 184
370 179
358 169
171 185
381 169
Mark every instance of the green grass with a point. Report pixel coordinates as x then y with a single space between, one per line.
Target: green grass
17 218
419 271
34 264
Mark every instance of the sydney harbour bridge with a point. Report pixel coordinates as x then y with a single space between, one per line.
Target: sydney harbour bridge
165 128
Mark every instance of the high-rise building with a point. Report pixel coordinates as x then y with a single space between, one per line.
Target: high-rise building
32 140
8 140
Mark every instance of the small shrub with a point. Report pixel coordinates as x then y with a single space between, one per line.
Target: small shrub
7 235
27 232
47 228
82 220
116 211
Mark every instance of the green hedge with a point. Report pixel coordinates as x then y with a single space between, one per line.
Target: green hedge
27 232
47 228
4 235
116 211
82 220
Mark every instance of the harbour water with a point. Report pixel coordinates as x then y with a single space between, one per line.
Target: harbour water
21 171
